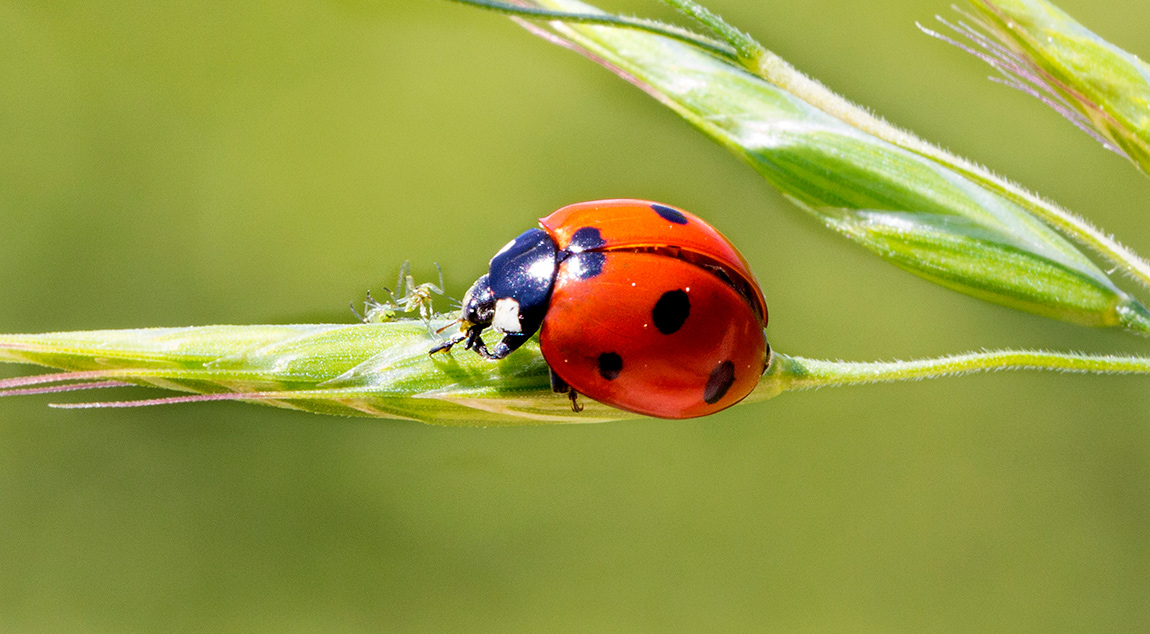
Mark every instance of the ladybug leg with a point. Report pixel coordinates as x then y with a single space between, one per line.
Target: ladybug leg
510 343
559 386
471 334
446 345
474 342
575 406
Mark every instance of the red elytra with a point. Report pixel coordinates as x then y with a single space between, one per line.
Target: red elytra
672 323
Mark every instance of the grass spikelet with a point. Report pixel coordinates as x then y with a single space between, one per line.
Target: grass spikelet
955 223
1043 51
375 370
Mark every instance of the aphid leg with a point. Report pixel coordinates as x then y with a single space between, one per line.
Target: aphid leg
439 289
369 303
355 312
403 269
426 310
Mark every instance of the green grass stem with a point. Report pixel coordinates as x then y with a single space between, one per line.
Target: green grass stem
384 371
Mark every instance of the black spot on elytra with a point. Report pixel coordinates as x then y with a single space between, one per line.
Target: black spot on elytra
610 364
720 381
584 266
670 215
671 311
586 239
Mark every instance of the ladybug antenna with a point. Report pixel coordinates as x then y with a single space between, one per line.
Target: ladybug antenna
449 324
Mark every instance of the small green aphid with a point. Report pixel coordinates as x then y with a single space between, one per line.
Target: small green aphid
416 298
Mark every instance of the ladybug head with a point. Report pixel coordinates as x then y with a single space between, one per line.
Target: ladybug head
478 305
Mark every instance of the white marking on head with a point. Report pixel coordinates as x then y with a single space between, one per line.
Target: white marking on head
506 316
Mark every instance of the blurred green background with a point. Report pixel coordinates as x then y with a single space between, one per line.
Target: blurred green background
169 164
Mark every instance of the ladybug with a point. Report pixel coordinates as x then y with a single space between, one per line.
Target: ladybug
638 305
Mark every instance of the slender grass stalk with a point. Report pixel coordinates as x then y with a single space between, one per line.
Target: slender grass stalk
383 370
851 167
798 373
